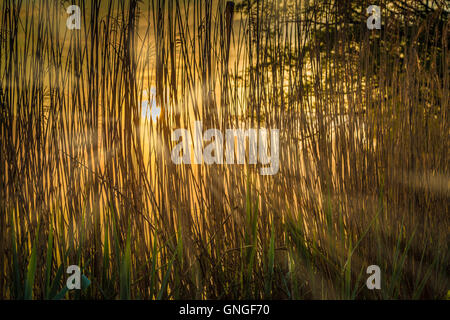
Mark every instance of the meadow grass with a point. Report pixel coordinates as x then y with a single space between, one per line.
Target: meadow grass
85 179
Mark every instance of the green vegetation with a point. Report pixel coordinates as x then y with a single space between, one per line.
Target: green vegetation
85 179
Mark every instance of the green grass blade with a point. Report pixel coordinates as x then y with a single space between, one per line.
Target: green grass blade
56 281
49 260
31 269
125 287
17 283
165 282
31 272
270 263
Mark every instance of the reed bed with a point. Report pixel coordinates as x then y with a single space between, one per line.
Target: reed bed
86 179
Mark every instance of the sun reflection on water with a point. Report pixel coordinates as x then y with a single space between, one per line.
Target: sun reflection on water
149 108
